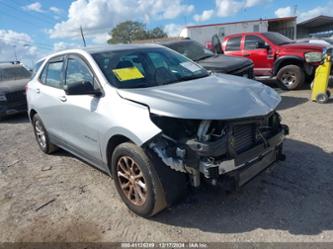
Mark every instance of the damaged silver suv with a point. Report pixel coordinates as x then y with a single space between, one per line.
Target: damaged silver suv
154 120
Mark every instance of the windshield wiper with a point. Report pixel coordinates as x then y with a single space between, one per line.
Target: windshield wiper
192 77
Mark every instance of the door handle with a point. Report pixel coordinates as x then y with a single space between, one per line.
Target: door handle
246 54
63 98
37 90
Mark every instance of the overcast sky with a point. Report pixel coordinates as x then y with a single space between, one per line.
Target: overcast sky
35 28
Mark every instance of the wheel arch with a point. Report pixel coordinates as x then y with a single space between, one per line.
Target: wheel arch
288 60
112 143
32 113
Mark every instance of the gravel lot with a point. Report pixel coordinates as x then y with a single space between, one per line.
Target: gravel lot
293 201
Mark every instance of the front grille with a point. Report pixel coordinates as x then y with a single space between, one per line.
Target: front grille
244 137
15 96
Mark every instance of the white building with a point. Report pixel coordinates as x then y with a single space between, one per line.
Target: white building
204 33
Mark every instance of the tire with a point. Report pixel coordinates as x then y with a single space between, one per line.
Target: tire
322 98
291 77
41 135
129 161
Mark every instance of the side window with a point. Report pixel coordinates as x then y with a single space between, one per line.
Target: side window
234 44
78 73
52 74
253 42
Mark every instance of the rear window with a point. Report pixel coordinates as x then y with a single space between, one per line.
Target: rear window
234 44
14 73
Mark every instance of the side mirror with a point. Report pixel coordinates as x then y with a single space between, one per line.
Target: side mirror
82 88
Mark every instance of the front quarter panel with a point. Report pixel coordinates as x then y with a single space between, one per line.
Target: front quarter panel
128 119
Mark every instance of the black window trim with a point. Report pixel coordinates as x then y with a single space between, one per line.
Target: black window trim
245 48
87 64
240 43
57 58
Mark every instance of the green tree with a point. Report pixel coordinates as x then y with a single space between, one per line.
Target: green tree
156 33
129 31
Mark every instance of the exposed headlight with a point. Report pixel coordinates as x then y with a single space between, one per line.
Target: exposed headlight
313 57
3 97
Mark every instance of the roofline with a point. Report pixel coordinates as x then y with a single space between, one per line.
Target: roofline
257 20
314 18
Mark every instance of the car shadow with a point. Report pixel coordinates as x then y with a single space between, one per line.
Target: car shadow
295 195
290 102
15 119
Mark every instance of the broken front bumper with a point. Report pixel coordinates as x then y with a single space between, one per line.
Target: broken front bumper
244 166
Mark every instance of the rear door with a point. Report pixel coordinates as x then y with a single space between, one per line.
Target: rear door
256 49
47 96
233 46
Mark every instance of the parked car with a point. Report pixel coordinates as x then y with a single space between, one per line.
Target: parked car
275 55
13 78
214 62
154 120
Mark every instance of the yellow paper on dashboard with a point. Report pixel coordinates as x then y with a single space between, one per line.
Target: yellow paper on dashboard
128 73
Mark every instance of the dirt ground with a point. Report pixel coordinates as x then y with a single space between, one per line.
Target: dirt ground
60 198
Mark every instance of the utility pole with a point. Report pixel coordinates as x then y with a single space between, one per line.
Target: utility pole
84 40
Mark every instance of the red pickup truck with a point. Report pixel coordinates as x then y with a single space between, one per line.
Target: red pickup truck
275 55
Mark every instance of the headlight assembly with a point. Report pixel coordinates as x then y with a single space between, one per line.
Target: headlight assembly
3 97
313 57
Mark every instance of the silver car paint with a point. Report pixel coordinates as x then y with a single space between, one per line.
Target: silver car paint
216 97
88 123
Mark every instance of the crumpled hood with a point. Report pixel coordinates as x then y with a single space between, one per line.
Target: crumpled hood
13 85
224 63
216 97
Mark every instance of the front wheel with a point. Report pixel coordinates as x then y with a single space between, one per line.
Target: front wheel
136 180
291 77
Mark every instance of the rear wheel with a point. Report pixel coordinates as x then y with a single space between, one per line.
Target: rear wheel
42 136
291 77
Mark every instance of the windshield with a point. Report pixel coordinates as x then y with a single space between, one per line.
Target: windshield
14 73
191 49
147 67
277 38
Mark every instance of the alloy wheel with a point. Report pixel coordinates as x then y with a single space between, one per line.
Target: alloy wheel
40 134
288 78
131 180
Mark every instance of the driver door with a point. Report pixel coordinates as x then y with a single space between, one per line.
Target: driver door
80 114
257 50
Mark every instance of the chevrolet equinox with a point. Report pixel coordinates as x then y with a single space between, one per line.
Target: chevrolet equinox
154 120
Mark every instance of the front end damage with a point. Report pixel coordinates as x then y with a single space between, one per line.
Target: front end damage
214 149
